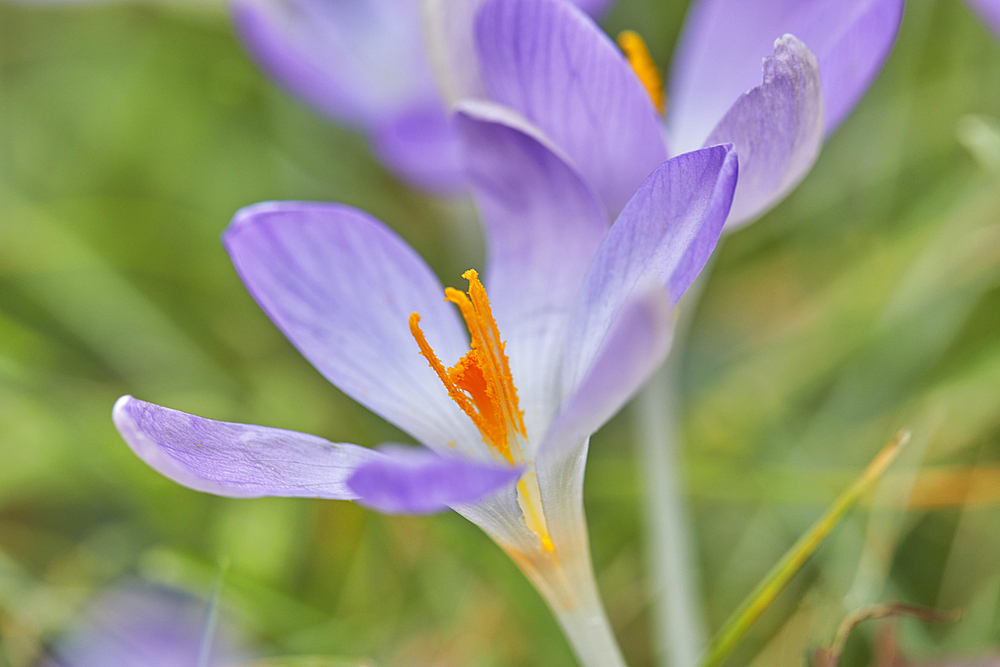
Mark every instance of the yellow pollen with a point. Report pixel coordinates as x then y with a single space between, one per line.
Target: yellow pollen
642 62
480 383
482 386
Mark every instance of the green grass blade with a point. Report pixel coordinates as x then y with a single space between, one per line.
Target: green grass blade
768 589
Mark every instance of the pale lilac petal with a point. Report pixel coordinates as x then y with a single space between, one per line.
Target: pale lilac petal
551 63
850 59
663 236
543 226
777 129
237 460
989 12
594 7
360 62
723 42
420 145
634 346
417 481
341 286
449 28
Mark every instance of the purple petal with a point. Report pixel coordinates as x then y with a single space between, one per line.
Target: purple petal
551 63
341 286
593 7
237 460
723 42
664 236
543 226
777 129
989 12
634 346
449 37
359 62
418 481
420 145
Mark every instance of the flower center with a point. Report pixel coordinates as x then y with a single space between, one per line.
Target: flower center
482 386
642 62
480 383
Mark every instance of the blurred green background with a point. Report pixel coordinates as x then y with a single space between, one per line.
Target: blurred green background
866 302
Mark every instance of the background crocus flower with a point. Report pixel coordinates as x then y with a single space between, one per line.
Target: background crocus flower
578 316
552 64
140 625
364 63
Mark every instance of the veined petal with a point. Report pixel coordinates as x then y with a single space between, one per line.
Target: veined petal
411 480
237 460
420 145
635 345
449 28
551 63
777 129
341 286
989 12
359 61
723 41
543 225
663 236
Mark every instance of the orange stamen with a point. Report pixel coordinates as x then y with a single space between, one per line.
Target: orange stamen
481 385
642 62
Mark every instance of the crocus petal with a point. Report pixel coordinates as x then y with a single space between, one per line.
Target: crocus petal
450 46
543 226
341 286
663 236
420 145
550 62
989 12
359 62
777 129
634 346
593 7
411 480
237 460
719 53
449 37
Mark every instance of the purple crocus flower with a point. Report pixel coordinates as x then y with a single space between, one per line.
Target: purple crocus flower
578 316
551 64
364 63
139 625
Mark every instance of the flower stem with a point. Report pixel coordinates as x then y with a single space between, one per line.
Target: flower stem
565 578
679 630
590 635
677 613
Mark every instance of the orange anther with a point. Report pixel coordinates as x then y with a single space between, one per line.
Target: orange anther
480 383
642 62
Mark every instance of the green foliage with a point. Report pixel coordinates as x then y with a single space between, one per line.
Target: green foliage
866 302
